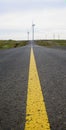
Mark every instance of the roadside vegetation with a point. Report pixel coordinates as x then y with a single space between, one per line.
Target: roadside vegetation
51 43
5 44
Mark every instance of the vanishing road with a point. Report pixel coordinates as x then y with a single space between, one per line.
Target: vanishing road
33 88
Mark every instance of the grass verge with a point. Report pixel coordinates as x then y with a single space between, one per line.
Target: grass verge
51 43
5 44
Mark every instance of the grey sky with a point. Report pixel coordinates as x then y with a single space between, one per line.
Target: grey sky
16 17
27 5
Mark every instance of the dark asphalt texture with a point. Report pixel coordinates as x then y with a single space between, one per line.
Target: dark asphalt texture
14 67
14 71
51 64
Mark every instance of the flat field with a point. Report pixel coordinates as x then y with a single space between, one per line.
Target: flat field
51 43
5 44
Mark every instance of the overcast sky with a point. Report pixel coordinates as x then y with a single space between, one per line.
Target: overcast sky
16 17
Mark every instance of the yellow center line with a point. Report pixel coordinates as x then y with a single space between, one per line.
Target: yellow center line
36 115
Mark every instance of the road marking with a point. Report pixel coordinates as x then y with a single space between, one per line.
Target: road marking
36 115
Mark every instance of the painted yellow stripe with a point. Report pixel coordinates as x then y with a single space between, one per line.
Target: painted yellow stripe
36 115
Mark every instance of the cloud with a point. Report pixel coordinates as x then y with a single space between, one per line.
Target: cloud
18 15
20 20
26 5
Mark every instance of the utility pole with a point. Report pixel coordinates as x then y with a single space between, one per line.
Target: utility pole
28 35
33 25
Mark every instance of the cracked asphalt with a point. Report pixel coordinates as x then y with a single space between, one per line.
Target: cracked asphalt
14 71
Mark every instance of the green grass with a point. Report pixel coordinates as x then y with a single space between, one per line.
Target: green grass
51 43
5 44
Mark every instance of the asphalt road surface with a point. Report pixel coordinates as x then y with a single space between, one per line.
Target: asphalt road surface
14 71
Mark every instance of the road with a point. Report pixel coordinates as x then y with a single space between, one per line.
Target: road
14 71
